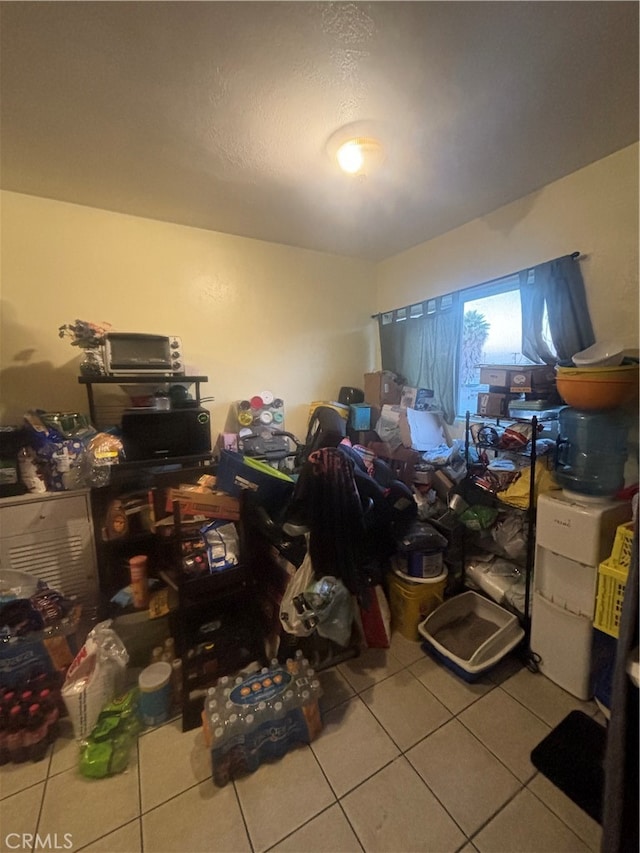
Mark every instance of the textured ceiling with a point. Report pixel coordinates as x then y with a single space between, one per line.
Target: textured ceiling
218 114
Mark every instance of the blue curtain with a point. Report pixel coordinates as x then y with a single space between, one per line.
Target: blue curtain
557 286
421 344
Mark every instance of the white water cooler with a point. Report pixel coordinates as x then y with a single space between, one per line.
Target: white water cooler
573 535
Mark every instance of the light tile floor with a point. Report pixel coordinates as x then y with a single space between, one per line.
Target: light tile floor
411 758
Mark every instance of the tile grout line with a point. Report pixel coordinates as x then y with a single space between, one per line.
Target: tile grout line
523 785
241 810
357 693
401 752
44 789
140 832
346 817
454 716
559 817
106 834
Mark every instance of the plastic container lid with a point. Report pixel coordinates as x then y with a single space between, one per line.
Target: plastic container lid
411 579
154 677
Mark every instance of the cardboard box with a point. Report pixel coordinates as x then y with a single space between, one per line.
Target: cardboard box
518 379
402 460
493 405
362 436
194 500
496 376
381 388
416 398
532 379
422 430
441 484
408 398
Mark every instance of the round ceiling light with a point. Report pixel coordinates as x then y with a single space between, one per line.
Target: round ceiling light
359 156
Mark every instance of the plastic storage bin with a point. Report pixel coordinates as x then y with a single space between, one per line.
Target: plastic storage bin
470 634
410 601
236 472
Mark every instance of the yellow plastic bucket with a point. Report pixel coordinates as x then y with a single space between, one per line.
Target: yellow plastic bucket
410 602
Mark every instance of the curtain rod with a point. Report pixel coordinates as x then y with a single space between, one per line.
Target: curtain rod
573 255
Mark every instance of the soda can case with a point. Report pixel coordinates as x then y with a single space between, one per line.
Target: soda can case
260 718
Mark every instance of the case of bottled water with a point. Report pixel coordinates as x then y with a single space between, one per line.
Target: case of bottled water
249 720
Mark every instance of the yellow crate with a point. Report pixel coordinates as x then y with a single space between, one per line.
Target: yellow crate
623 545
612 580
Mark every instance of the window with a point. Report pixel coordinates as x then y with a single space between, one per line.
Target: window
507 317
491 334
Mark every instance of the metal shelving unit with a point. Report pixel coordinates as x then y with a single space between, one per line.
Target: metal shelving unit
138 379
530 452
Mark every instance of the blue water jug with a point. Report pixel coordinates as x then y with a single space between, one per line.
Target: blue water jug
591 451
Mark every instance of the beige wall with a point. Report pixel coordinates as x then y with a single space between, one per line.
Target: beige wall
594 211
252 315
255 315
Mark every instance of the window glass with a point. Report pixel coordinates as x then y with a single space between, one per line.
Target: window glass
491 334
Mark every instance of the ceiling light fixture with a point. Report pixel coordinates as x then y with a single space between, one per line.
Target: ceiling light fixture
359 156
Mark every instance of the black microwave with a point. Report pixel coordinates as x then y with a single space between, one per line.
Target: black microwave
131 353
149 434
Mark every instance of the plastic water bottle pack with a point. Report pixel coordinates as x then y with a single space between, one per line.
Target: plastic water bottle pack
250 720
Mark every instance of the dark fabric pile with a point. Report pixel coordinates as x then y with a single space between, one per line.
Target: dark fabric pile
352 518
335 517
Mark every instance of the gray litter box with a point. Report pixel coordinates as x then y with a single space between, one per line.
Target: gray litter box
470 634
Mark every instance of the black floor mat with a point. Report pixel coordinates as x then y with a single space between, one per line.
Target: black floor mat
572 757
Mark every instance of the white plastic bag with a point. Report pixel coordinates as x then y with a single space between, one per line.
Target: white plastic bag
291 620
94 677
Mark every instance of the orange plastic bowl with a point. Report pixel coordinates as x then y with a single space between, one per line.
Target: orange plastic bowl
597 390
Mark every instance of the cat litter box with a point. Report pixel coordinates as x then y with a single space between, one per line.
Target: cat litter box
470 634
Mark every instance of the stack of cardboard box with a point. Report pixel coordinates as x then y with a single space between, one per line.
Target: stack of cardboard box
509 382
398 411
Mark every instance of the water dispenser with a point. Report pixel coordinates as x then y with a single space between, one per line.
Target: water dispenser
591 452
